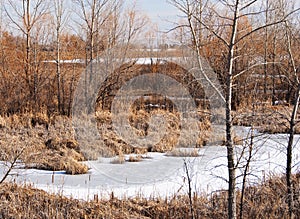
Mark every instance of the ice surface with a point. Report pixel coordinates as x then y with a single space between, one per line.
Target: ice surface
161 175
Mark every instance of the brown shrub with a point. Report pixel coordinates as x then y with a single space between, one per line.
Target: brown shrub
58 144
71 144
40 119
53 144
266 118
135 158
48 148
120 159
183 152
54 161
73 167
139 119
2 122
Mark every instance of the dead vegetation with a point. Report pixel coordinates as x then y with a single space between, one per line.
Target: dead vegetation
49 142
147 106
265 200
266 118
183 152
135 158
139 121
46 143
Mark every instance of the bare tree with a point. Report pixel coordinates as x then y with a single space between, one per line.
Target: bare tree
93 14
289 65
266 43
132 26
10 156
60 19
26 17
235 11
292 122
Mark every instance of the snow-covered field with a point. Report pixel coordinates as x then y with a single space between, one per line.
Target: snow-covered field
161 175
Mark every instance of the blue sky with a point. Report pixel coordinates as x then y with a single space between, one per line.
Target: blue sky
159 11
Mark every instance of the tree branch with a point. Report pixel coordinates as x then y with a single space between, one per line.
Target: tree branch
267 25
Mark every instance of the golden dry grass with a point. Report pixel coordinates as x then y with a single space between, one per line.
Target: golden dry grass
135 158
266 118
138 120
120 159
183 152
47 143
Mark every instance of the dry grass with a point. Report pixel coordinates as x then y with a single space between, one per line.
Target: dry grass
266 118
183 152
266 200
120 159
135 158
47 143
73 167
138 120
26 202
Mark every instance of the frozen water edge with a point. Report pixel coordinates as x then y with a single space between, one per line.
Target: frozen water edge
162 175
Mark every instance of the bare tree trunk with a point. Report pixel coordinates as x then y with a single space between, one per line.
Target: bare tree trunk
92 14
35 78
289 159
63 96
249 159
71 91
266 51
58 76
25 17
27 68
274 69
189 181
229 143
230 153
59 21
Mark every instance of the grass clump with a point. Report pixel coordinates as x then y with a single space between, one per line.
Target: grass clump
183 152
46 143
175 133
72 166
120 159
135 158
266 118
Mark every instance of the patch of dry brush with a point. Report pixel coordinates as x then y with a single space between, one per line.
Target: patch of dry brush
46 143
139 121
268 119
50 144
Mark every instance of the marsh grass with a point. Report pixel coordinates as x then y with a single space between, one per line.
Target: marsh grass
183 152
120 159
48 143
135 158
266 118
138 120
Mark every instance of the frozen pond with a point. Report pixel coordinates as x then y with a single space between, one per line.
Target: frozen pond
160 175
